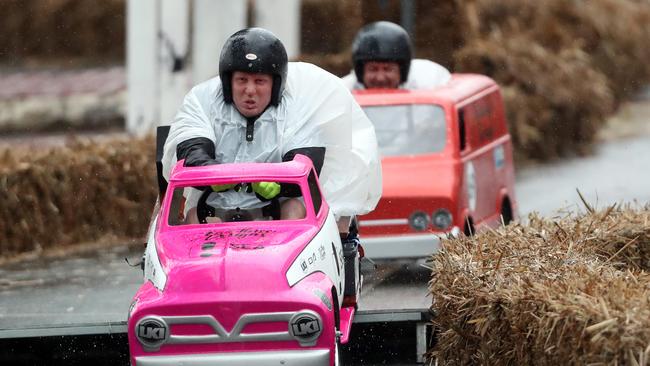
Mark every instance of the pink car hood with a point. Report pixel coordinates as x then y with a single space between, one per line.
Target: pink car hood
234 260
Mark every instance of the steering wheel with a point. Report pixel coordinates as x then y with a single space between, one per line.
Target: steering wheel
203 210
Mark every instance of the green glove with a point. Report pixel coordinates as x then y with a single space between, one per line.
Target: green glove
221 187
267 190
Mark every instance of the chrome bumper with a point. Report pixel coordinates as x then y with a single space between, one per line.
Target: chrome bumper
400 246
317 357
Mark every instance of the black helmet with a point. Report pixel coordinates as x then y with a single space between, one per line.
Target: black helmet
253 50
382 41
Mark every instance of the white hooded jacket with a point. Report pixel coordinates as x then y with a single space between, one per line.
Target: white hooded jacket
315 110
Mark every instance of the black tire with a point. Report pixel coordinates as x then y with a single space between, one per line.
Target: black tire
337 326
506 211
468 230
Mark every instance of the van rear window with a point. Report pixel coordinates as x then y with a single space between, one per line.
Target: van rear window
408 129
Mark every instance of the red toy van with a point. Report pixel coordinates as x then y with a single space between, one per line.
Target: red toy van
447 165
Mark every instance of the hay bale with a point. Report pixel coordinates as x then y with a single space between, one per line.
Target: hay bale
569 291
567 65
76 194
612 32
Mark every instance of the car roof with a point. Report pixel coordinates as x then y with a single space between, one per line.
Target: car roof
296 169
459 88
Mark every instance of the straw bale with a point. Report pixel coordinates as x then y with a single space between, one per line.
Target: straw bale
75 194
612 32
568 291
567 64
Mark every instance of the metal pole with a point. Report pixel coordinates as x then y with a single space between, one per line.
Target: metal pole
142 65
173 37
407 18
421 341
282 17
214 22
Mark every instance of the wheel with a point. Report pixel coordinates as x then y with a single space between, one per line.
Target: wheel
506 211
468 230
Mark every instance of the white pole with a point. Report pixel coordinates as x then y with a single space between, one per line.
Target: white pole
174 41
142 66
214 22
282 17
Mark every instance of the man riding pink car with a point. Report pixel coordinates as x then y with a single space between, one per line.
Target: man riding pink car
250 259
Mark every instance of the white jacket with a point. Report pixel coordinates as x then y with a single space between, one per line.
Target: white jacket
315 110
423 74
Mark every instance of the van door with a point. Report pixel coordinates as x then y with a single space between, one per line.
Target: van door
480 158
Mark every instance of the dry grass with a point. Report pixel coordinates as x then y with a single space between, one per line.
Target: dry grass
570 291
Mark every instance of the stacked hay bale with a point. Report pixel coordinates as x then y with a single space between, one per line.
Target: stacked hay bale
76 194
569 291
610 32
564 65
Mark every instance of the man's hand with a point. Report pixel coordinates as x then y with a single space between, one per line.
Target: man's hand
266 190
221 187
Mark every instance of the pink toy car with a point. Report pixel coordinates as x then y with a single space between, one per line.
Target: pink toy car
243 291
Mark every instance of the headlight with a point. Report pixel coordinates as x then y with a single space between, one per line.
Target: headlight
441 219
419 221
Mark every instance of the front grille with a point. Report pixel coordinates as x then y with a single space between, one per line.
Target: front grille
220 335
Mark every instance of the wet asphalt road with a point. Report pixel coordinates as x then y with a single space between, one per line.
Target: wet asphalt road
619 172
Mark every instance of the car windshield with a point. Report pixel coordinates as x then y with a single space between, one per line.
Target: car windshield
408 129
226 203
240 201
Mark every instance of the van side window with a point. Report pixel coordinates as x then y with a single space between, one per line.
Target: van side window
461 129
482 121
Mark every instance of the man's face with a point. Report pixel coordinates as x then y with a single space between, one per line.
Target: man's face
382 75
251 92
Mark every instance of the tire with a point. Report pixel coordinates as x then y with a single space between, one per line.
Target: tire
468 229
506 212
337 324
